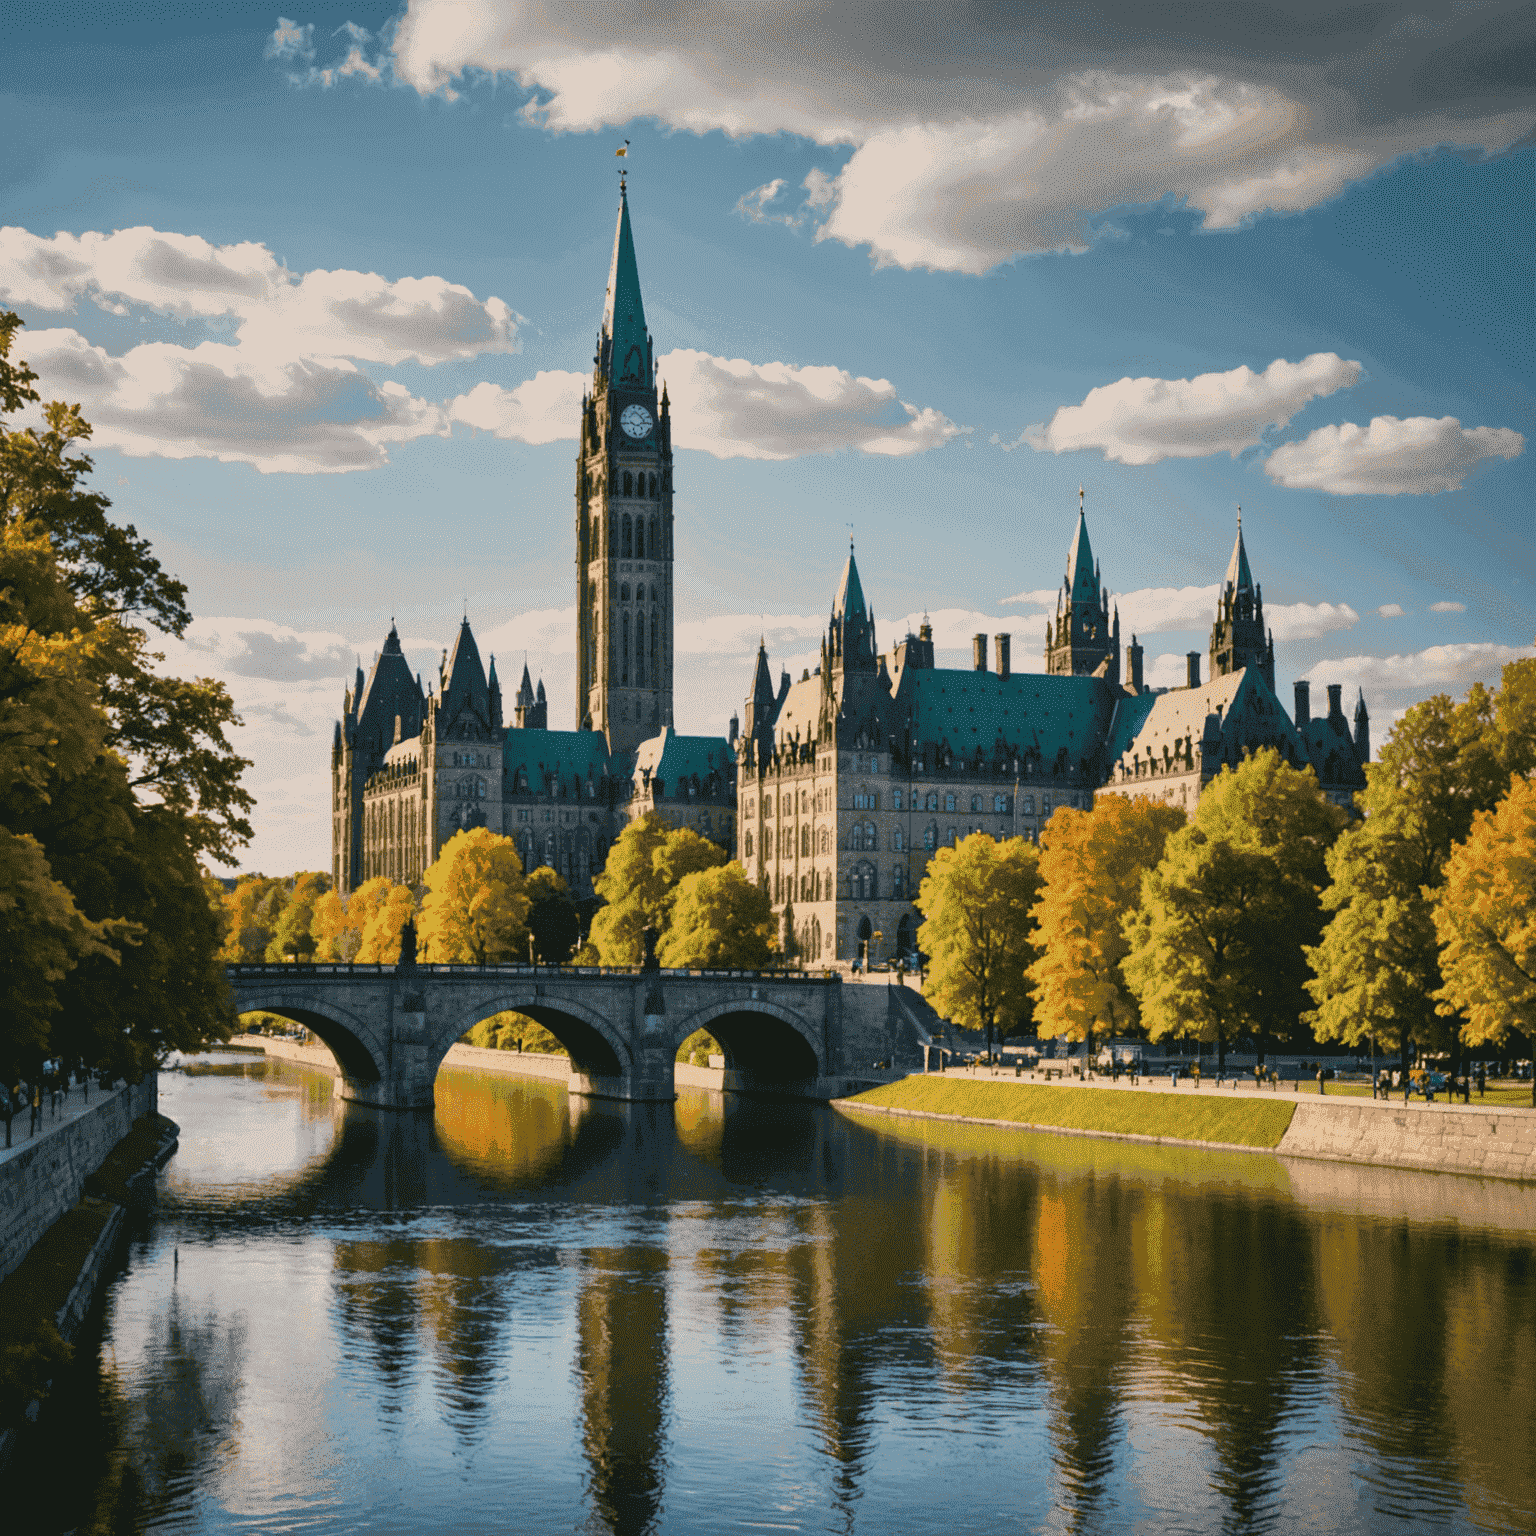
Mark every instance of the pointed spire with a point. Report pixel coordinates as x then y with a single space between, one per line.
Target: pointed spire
1239 577
626 344
1082 580
525 688
850 593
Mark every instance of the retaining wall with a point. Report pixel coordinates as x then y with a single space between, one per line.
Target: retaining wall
1442 1138
42 1178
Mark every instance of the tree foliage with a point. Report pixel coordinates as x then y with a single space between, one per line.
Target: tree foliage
977 899
1376 969
1091 864
719 918
639 883
1485 921
113 779
476 905
553 921
1216 946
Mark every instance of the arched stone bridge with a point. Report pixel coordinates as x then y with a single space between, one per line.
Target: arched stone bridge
389 1026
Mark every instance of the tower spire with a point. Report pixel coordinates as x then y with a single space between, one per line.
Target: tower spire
625 354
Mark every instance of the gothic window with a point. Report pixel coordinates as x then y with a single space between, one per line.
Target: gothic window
653 534
655 636
613 536
896 801
629 483
1029 805
1045 805
1000 804
653 491
749 845
931 836
932 803
629 537
624 666
896 839
805 842
949 802
826 840
856 837
624 592
640 593
898 879
949 837
975 802
639 538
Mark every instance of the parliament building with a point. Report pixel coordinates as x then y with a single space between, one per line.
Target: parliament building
833 791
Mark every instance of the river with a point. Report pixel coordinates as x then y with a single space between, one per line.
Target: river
531 1313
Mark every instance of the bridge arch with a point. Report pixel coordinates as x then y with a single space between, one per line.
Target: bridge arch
597 1048
762 1040
346 1036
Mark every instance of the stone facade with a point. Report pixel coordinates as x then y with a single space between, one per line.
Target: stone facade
852 778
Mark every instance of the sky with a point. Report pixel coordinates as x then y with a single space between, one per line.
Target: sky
327 284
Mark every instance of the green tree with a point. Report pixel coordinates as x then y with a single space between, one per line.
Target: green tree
977 931
1216 947
553 922
1376 969
293 934
639 882
1091 864
718 918
476 903
1485 921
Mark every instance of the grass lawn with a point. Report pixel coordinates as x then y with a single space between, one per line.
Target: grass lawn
1498 1096
1241 1122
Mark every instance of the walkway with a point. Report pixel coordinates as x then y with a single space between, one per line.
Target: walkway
73 1106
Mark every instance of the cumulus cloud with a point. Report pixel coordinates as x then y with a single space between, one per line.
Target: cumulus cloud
1144 421
730 408
754 205
310 416
1452 668
1009 128
1419 456
1447 607
1390 611
278 313
289 40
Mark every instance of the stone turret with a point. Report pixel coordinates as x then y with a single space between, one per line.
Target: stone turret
1083 641
1238 637
1362 731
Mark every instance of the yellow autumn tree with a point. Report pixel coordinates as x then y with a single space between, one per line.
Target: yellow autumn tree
1091 864
639 883
978 933
718 918
1485 920
476 907
338 923
381 932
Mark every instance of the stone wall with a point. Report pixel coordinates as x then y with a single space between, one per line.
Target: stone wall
41 1179
1444 1138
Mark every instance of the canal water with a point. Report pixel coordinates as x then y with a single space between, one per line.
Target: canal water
531 1313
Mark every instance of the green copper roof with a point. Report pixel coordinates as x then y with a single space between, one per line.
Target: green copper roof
1239 577
570 754
1082 584
1251 717
673 758
623 311
850 595
1031 711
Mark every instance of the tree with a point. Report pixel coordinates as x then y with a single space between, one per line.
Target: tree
1485 921
1376 969
338 925
553 921
476 903
719 918
639 882
1091 864
977 931
381 935
292 935
1216 948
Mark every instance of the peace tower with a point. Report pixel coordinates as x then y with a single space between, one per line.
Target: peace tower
624 523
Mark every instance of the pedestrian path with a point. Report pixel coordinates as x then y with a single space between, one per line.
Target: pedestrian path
72 1107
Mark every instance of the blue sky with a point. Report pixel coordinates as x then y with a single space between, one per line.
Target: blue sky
328 286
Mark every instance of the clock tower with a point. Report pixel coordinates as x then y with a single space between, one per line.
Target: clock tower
624 523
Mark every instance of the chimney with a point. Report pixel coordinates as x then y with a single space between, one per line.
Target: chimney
1133 664
979 652
1192 669
1335 701
1004 642
1303 704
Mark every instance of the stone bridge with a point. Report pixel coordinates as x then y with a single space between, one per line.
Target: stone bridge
389 1026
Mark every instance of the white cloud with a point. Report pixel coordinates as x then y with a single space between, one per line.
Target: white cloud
1447 607
730 408
279 314
1309 621
754 205
1144 421
1007 130
1415 457
1391 610
311 416
291 41
1452 668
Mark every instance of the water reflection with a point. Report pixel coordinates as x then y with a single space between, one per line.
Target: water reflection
648 1318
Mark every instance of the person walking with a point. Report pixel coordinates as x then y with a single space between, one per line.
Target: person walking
1320 1077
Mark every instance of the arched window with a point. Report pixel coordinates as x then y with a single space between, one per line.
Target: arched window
1000 804
805 842
897 840
949 837
640 592
930 836
856 837
871 836
975 802
629 537
624 666
655 642
932 802
816 938
898 881
623 591
749 845
653 535
1029 805
639 538
653 485
826 840
949 802
629 483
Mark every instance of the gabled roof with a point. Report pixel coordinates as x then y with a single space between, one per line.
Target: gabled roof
464 680
570 754
389 691
1082 581
673 758
1250 714
623 311
1032 711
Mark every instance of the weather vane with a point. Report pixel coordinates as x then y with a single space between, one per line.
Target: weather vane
622 153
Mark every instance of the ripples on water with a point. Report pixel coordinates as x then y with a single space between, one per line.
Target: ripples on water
531 1313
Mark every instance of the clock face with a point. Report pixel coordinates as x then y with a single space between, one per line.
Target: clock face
636 421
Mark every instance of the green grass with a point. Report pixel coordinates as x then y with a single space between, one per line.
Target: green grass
1239 1122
